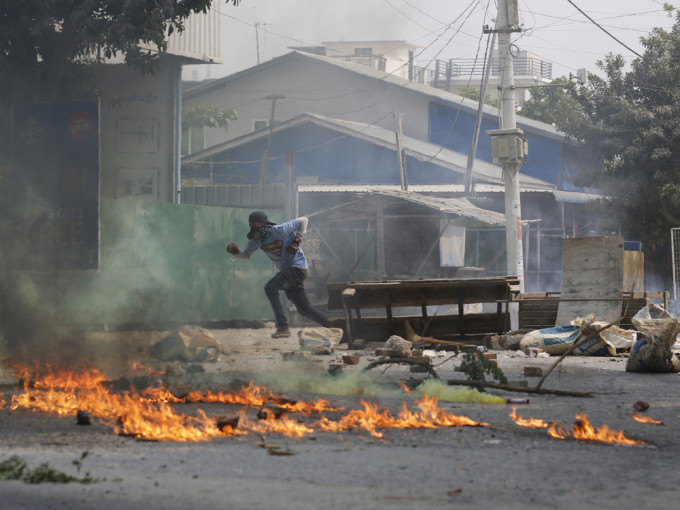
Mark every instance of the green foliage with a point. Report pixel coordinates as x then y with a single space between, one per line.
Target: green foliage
551 104
472 93
42 42
16 469
475 366
52 50
630 120
204 115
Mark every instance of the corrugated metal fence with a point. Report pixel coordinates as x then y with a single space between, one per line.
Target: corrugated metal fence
161 263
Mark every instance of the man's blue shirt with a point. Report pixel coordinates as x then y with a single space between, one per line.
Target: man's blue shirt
275 246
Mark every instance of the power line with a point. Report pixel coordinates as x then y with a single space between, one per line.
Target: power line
604 30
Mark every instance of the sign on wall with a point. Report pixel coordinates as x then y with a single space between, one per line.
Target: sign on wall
55 185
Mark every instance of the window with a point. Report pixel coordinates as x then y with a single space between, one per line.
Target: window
363 52
193 140
263 123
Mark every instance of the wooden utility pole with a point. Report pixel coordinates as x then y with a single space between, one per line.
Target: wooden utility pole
400 151
291 189
265 157
478 120
257 41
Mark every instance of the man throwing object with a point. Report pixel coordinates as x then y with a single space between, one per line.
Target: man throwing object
281 243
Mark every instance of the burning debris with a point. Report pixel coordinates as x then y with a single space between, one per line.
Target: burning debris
646 419
530 423
582 430
152 415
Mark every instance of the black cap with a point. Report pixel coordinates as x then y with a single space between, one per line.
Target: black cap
258 217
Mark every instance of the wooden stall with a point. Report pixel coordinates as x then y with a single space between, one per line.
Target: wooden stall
359 299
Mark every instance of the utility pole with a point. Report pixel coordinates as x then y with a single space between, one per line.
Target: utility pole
400 151
478 120
508 146
265 157
257 41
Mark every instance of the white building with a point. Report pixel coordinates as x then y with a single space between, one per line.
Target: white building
139 129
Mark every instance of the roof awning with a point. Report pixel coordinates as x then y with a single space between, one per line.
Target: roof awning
363 205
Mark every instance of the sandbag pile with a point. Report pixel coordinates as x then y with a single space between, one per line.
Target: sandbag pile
649 346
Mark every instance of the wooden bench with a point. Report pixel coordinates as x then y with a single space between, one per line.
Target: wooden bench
353 297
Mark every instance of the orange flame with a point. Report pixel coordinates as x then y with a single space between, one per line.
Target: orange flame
371 418
149 414
585 431
646 419
404 387
530 423
555 430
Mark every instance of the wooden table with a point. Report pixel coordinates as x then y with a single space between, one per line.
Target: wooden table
352 297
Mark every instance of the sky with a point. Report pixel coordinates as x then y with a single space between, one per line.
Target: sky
553 29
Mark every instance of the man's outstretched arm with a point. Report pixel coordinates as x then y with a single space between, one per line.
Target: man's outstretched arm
234 250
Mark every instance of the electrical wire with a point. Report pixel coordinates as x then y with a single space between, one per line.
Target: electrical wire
448 27
604 30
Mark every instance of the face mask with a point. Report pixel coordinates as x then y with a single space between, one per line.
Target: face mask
260 233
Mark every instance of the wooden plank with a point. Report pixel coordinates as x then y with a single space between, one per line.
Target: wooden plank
411 293
592 268
633 270
347 299
477 326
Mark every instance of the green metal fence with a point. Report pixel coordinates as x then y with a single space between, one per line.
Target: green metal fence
160 263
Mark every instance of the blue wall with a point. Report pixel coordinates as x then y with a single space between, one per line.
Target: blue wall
454 128
323 152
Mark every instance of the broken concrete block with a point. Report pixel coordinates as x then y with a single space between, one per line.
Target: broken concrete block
350 359
83 418
171 348
641 406
506 341
227 424
533 372
397 347
327 337
532 351
189 343
271 411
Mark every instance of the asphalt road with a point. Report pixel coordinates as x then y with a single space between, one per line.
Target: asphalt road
501 465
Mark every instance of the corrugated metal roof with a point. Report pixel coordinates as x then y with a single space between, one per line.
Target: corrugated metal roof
363 204
525 123
421 150
573 197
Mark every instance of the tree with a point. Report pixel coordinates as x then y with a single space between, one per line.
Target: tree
473 93
50 49
551 104
203 115
630 120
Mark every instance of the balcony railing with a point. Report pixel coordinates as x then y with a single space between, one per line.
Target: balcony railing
446 70
529 66
373 61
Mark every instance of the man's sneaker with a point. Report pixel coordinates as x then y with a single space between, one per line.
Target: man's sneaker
281 333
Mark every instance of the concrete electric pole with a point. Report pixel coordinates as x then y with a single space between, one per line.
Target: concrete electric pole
508 146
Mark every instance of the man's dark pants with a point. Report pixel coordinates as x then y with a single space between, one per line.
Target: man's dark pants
291 281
